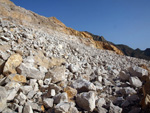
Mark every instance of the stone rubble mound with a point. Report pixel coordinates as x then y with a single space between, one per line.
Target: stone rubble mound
28 18
50 73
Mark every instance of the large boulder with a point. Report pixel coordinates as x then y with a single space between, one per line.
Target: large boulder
138 71
56 62
86 101
41 60
57 74
30 72
83 85
65 107
135 82
13 61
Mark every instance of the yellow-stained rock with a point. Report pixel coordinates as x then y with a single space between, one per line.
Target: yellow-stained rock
17 78
71 92
10 66
57 74
41 60
19 52
42 108
56 62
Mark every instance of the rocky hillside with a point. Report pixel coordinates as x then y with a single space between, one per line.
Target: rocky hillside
135 53
124 48
27 18
42 72
53 72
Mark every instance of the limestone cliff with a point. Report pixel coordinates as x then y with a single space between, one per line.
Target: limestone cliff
29 18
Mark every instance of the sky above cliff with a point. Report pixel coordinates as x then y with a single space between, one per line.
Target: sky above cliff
119 21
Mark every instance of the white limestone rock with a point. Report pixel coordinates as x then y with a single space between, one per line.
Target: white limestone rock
22 98
27 109
30 72
4 38
73 68
31 94
48 102
86 100
3 98
135 82
26 89
11 94
100 102
138 71
66 107
115 109
28 36
33 82
83 85
57 74
62 97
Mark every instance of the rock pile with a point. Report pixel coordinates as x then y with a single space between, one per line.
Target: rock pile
51 73
24 17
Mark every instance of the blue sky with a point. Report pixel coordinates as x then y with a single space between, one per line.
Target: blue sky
119 21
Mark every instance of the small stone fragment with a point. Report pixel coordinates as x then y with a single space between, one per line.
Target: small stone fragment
65 107
3 98
27 109
22 98
62 97
47 81
100 102
83 85
135 82
26 89
124 76
31 94
115 109
48 102
11 94
73 68
4 38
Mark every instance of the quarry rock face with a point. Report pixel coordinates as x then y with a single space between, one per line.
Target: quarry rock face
51 71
